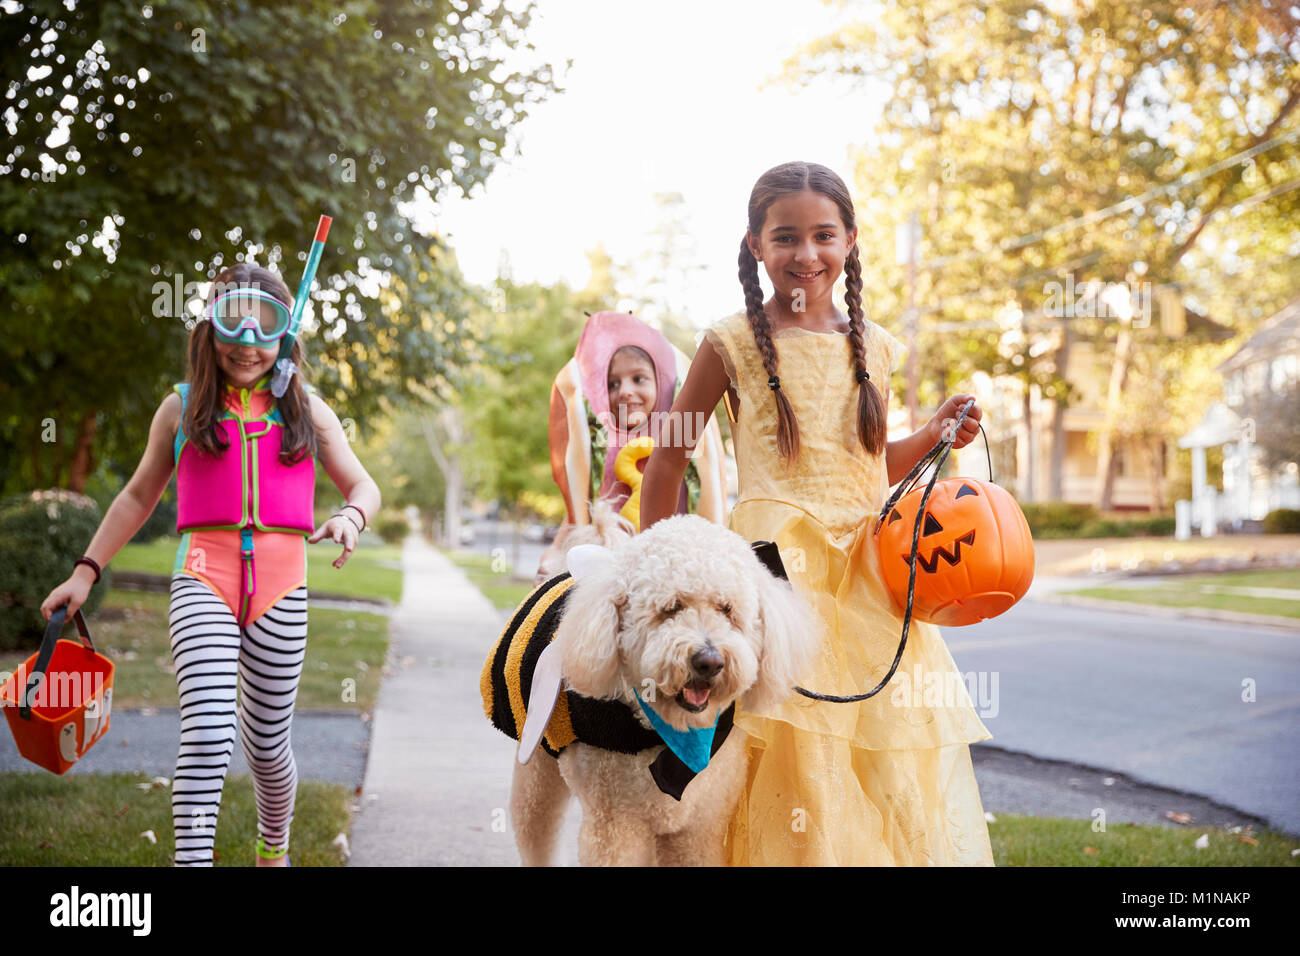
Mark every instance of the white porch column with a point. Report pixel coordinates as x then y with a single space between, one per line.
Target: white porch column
1247 478
1198 483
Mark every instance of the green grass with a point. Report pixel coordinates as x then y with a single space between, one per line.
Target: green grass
1186 591
1277 578
98 819
373 571
131 629
1051 841
498 586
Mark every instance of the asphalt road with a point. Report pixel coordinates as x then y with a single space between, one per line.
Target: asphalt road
1167 701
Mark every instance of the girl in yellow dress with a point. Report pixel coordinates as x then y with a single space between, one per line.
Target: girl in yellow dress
887 781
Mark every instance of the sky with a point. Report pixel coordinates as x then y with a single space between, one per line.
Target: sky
664 97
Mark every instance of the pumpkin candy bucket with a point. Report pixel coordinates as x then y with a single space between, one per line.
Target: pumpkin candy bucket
975 556
957 551
58 702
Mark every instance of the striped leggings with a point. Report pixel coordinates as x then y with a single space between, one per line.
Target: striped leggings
212 654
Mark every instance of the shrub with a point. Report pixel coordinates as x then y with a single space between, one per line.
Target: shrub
41 534
1282 521
1059 519
392 526
1054 516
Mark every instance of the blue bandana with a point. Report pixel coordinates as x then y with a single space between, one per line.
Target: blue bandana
692 747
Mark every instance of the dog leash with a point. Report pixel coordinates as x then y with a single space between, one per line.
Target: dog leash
936 455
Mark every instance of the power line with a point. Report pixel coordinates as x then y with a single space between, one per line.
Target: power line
1121 206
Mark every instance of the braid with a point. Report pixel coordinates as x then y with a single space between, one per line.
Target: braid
871 407
787 427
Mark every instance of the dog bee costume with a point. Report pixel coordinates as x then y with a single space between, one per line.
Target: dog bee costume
507 681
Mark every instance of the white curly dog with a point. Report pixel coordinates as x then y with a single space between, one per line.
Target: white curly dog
688 615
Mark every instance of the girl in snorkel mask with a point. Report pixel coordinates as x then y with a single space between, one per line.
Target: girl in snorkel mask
245 459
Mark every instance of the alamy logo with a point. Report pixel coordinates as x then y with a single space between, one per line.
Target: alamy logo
102 909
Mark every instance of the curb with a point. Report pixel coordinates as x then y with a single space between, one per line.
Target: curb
1161 610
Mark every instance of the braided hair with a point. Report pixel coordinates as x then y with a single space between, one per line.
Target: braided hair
772 185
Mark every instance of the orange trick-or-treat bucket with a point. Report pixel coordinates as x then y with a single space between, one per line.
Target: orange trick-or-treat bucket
975 556
58 702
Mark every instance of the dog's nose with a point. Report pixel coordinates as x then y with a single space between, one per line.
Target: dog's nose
706 662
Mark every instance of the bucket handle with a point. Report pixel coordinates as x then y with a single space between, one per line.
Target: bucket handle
52 631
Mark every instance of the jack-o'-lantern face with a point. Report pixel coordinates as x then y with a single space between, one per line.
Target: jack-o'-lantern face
937 547
974 558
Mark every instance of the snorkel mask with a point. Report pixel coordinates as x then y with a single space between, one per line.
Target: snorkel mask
236 320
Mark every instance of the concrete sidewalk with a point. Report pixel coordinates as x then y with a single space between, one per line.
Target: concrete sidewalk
437 781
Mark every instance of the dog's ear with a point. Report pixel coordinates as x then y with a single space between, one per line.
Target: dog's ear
582 559
791 633
587 635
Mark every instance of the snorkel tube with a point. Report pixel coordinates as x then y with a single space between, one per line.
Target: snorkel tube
284 367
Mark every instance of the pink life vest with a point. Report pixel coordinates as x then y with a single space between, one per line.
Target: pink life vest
246 485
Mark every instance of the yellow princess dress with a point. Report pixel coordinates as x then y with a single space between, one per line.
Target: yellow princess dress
887 781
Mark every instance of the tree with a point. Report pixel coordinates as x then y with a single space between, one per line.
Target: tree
155 143
1277 426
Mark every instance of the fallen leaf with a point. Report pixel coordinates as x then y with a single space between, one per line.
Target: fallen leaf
47 845
1202 841
1178 817
1090 850
123 810
1248 839
150 836
341 841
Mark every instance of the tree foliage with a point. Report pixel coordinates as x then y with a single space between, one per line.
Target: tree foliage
157 142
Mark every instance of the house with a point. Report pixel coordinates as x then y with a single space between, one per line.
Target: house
1267 364
1022 451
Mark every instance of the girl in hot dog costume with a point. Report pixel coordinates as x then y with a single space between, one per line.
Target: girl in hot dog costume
609 405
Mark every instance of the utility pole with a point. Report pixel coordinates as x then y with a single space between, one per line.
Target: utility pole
908 241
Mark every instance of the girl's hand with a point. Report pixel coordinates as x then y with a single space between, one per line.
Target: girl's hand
942 424
343 531
72 592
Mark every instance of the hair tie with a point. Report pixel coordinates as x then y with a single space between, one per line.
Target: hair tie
90 563
774 383
862 375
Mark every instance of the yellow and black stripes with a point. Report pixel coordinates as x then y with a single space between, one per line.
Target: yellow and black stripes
507 680
507 677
